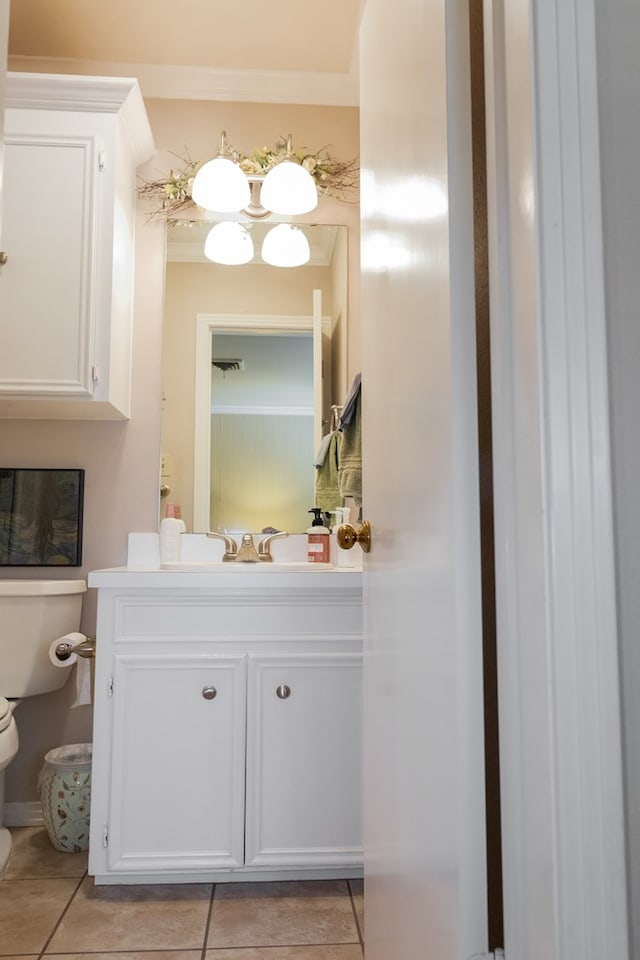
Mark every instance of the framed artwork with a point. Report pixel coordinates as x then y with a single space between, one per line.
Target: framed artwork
41 517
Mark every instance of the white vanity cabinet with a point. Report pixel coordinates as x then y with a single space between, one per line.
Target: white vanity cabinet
227 725
71 149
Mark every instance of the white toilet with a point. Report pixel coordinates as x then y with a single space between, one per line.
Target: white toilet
33 613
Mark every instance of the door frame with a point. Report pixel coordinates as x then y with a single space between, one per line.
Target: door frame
559 696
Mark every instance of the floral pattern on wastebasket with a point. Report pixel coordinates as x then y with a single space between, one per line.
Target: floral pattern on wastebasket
65 795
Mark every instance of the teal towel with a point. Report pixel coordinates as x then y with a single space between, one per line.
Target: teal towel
350 469
328 495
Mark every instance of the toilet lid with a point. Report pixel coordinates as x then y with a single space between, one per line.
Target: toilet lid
5 714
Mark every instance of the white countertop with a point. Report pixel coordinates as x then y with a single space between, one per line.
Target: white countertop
202 576
201 567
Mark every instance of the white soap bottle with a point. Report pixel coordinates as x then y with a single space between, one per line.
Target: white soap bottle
343 557
171 529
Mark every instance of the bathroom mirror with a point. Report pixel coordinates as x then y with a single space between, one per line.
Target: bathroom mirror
254 356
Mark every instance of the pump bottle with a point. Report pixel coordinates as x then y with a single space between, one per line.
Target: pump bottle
171 527
318 539
343 557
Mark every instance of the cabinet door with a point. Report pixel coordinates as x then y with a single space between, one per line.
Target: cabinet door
304 756
177 777
4 43
47 295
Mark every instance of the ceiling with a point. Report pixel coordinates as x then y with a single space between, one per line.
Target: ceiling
283 51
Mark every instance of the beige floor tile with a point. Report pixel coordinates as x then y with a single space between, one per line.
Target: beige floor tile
357 895
130 918
132 955
29 910
32 855
348 951
270 914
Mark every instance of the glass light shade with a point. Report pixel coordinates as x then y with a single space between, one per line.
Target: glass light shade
221 185
285 246
228 243
289 189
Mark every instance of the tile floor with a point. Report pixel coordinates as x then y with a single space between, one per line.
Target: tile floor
49 906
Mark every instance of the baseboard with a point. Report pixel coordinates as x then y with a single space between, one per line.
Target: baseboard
25 814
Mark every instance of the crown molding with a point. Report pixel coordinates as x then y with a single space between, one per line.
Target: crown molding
117 95
209 83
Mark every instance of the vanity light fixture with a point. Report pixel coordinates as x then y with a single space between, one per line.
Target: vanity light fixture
229 243
222 186
286 246
288 188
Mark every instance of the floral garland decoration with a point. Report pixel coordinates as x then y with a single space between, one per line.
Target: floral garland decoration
332 177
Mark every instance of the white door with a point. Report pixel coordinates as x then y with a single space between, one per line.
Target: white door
425 888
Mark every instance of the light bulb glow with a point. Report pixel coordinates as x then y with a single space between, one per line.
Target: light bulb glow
285 246
289 189
220 185
229 243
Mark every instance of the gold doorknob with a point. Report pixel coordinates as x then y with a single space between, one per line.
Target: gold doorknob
348 535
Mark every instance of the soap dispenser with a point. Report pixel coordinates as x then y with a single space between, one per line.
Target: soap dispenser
318 539
343 557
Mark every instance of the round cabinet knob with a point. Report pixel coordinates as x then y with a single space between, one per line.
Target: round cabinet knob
283 691
3 258
209 693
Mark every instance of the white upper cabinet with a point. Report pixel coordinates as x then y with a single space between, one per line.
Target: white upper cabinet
72 147
4 43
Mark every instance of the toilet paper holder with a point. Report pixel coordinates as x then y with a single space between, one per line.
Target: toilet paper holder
86 649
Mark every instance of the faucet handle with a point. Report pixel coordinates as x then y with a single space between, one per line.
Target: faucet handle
230 546
264 551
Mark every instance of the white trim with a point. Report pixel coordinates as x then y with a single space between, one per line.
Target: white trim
121 95
241 875
210 83
263 411
578 519
560 738
27 813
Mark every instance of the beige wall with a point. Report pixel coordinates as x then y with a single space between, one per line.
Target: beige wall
121 460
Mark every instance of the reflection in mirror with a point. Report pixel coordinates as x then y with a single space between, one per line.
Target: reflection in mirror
247 386
261 430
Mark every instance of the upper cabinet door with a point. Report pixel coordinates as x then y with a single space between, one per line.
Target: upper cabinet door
4 44
72 145
48 291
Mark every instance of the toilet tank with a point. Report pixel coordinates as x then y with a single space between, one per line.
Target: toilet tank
34 613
